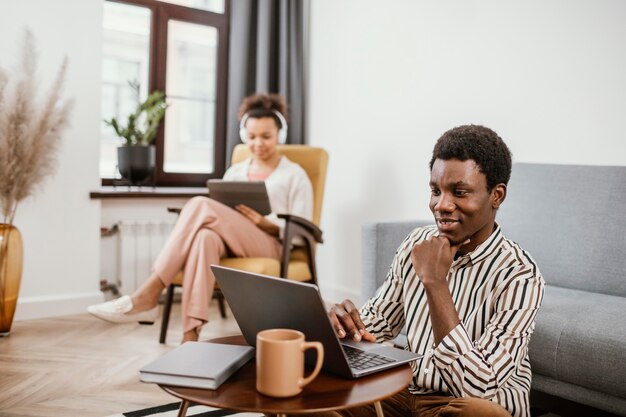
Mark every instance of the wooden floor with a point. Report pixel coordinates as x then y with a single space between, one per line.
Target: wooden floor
81 366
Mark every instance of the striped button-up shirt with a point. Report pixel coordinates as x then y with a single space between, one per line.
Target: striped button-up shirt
497 290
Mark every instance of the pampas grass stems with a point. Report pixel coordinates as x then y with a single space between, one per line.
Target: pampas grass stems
30 134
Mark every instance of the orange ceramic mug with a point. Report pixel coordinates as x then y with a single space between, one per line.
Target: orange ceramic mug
280 362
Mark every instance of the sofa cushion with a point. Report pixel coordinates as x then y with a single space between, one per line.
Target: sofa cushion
580 338
570 219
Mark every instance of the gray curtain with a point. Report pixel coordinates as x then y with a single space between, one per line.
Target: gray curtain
268 46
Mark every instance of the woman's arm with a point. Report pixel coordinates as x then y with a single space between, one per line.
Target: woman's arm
259 220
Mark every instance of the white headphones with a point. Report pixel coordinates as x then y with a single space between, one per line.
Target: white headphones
282 131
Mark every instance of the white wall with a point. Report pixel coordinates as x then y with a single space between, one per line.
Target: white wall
387 79
60 224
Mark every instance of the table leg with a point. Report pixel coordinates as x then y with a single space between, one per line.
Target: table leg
182 411
379 409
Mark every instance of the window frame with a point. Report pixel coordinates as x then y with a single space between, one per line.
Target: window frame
161 13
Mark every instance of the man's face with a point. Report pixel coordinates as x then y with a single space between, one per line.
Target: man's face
462 205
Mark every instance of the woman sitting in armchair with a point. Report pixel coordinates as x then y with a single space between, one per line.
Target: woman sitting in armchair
207 230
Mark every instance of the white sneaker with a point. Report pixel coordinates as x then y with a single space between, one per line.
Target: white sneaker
115 312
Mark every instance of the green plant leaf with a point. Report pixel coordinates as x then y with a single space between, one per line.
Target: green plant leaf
142 125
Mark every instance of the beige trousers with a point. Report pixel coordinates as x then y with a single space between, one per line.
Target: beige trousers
405 404
205 232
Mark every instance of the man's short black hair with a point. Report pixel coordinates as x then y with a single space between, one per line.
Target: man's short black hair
480 144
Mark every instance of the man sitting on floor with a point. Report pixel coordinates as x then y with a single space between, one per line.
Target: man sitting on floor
467 296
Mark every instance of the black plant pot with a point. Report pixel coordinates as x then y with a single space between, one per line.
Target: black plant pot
136 163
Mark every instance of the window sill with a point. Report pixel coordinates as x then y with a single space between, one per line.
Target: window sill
108 192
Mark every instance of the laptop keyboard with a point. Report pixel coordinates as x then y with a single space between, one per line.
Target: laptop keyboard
358 359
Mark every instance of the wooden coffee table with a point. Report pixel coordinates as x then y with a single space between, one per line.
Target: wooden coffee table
326 393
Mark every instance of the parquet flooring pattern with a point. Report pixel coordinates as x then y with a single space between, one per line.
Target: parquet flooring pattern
79 366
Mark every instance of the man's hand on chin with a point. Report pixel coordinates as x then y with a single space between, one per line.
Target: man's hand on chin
432 258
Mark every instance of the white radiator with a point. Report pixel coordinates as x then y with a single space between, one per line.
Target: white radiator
138 244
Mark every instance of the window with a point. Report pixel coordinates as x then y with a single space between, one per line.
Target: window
216 6
190 87
179 47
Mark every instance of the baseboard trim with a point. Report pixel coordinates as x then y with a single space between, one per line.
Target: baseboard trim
29 308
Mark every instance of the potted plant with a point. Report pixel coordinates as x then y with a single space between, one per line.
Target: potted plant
30 136
136 157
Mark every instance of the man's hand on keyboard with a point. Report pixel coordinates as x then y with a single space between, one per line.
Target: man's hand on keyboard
346 320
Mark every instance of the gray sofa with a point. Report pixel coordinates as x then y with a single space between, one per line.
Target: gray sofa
572 220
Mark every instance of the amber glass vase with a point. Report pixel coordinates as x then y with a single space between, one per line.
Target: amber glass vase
11 261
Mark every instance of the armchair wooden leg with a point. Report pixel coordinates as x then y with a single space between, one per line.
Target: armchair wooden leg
313 269
167 309
221 303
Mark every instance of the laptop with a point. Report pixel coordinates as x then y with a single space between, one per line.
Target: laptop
250 193
260 302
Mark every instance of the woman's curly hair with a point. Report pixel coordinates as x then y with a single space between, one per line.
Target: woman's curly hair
262 105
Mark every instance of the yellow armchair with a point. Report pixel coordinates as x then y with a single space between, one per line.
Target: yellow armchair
298 262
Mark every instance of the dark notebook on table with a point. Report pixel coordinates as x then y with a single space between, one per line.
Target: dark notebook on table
260 302
197 365
250 193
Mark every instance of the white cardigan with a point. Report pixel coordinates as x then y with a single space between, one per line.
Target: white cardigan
288 188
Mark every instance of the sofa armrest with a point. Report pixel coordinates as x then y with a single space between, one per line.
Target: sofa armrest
379 242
